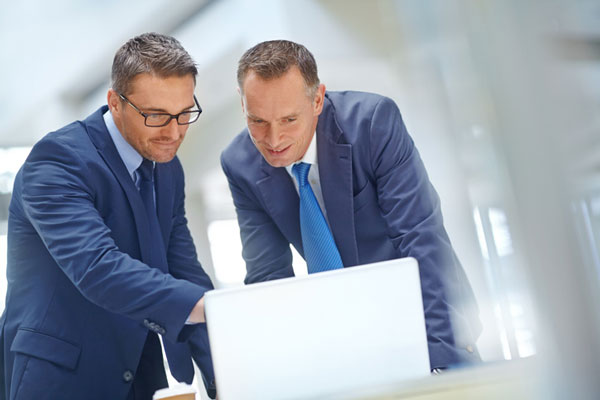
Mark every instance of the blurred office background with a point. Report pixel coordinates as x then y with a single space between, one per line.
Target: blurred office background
501 97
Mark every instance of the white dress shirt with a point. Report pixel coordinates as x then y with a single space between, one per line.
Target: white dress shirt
131 158
310 157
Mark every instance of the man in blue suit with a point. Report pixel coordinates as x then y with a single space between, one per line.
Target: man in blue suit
100 258
366 176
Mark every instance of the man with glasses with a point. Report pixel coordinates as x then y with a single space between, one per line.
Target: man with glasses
336 175
100 258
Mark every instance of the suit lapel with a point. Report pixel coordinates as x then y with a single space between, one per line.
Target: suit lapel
98 133
281 200
335 173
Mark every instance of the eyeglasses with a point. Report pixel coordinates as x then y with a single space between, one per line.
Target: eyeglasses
156 120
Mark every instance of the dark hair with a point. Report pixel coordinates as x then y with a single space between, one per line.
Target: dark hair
152 53
272 59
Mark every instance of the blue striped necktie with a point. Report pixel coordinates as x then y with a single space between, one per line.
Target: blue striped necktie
320 251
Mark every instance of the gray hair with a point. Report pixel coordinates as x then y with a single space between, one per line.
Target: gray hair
151 53
272 59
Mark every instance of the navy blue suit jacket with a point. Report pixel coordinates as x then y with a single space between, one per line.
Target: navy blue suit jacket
80 299
380 205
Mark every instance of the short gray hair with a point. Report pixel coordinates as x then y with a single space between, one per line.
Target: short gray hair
151 53
272 59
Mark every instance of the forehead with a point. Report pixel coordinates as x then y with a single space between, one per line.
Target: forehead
154 88
275 97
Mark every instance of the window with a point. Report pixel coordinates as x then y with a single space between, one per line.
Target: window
226 251
11 159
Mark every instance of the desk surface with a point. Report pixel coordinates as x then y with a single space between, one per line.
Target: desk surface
512 380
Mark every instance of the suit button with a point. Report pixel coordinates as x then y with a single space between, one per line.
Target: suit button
127 376
469 348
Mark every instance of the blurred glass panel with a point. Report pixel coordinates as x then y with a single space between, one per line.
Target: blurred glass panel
587 215
226 252
2 271
500 232
11 159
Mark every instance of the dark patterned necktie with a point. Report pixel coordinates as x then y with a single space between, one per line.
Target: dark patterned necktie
146 186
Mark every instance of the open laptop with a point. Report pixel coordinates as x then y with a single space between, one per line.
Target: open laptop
319 336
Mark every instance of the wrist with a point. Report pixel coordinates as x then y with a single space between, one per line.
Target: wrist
197 314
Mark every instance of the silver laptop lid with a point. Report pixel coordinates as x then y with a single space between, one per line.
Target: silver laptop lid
319 335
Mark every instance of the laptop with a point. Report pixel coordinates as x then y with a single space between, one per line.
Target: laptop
325 335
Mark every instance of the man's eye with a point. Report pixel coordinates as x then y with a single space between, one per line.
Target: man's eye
157 117
290 119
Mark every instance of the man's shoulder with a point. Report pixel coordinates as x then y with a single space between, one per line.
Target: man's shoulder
69 146
70 135
241 150
351 107
354 113
353 96
241 161
351 99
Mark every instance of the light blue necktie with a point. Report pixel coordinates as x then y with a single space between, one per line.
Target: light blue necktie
320 251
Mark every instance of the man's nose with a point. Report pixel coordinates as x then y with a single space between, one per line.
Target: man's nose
274 136
171 130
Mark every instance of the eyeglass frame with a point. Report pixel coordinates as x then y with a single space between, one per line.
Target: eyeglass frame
171 116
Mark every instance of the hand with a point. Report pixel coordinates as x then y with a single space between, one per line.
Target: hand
197 314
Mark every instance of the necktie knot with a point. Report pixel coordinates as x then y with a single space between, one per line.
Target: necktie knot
146 170
300 170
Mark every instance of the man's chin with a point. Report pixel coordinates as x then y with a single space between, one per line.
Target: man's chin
277 160
162 158
277 163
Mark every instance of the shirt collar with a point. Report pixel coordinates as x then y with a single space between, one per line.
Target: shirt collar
310 157
131 158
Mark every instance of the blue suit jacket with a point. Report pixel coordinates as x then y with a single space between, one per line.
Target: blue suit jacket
380 205
80 298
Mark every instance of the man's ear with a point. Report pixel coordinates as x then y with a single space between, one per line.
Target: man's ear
241 99
114 101
319 99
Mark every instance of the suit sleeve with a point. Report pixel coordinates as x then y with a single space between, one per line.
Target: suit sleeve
181 252
264 248
414 224
183 264
59 201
